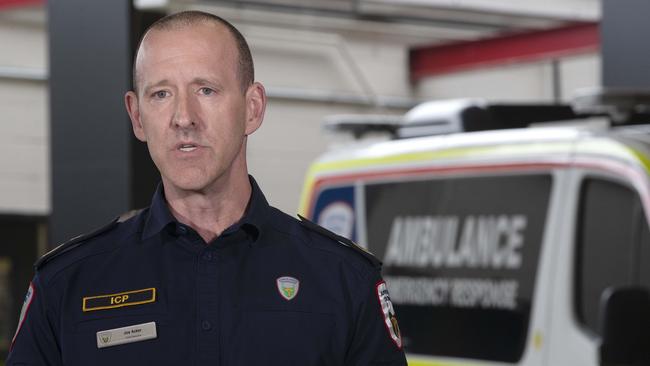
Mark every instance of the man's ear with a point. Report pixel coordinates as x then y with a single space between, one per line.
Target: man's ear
131 102
255 107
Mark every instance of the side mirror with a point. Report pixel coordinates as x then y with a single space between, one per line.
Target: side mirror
625 326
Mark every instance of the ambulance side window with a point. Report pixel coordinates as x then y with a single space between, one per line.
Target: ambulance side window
611 229
460 258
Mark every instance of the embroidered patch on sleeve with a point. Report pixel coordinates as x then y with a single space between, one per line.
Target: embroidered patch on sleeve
390 320
29 297
118 300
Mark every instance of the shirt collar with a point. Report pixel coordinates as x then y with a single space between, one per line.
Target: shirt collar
160 217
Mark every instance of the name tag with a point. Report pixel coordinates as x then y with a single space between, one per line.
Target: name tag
130 334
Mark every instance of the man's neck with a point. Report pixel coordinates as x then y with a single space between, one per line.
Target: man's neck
213 211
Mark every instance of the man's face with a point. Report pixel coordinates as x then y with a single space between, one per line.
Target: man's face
190 108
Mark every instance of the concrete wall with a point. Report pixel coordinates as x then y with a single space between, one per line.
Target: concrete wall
579 72
532 81
24 138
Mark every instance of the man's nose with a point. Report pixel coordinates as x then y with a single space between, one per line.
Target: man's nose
184 114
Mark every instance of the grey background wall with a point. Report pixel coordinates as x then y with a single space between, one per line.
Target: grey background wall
24 130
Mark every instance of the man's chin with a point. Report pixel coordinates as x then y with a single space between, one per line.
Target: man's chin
189 183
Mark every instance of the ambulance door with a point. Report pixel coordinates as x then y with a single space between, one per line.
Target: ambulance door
606 244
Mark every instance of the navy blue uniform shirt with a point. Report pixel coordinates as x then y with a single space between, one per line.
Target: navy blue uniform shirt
270 290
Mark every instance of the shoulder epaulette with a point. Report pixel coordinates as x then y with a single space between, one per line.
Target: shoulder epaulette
128 215
73 243
341 240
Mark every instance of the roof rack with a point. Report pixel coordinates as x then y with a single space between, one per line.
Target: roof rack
361 124
450 116
627 106
443 117
622 106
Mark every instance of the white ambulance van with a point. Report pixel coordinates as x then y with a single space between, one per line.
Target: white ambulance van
501 243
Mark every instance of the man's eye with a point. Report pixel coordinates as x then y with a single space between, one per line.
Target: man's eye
206 91
160 94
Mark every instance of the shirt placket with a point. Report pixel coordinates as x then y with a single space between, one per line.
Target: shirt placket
207 321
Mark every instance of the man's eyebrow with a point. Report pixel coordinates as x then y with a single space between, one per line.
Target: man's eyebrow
159 83
204 81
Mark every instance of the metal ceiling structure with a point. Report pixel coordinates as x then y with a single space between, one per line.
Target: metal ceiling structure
419 22
528 46
443 35
416 22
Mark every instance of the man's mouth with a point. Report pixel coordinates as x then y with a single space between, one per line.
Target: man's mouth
187 147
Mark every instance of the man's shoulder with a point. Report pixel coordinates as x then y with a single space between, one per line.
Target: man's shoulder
312 235
84 245
330 239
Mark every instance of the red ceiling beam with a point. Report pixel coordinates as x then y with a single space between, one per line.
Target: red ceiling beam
7 4
520 47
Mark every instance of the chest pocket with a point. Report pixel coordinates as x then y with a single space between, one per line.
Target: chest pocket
281 337
80 339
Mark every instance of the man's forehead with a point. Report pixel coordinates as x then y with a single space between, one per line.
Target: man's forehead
203 35
203 39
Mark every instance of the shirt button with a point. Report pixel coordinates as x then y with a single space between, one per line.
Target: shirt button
207 256
206 325
182 230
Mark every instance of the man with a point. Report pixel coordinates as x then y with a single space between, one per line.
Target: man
209 274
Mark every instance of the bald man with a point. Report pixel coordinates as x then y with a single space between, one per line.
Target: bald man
209 274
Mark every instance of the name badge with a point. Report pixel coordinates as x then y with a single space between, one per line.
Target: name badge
130 334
